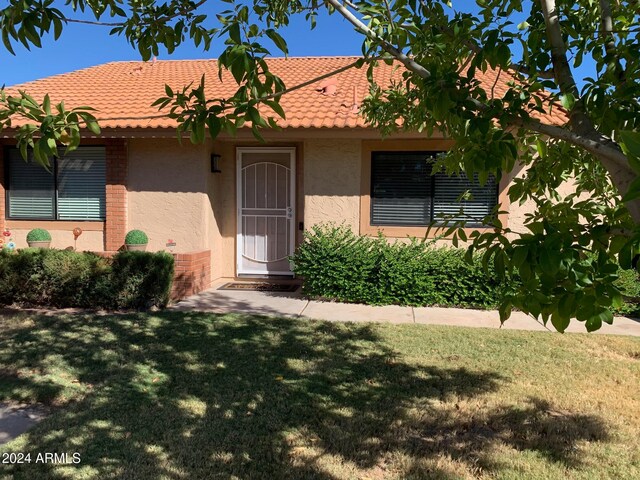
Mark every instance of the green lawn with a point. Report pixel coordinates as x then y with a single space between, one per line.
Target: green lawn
190 396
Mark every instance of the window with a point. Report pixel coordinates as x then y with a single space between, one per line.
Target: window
405 193
73 188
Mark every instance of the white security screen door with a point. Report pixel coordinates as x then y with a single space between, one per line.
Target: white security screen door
266 200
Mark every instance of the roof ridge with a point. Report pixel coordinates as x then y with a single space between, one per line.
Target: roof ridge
292 57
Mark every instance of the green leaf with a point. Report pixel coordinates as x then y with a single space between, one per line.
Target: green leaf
617 300
519 256
234 33
505 311
276 107
57 28
593 323
625 257
93 126
633 192
6 41
214 125
630 144
278 40
46 105
568 101
549 259
566 306
559 322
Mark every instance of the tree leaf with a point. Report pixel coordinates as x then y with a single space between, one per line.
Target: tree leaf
278 40
559 322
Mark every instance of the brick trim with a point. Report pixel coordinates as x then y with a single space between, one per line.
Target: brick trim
116 194
192 273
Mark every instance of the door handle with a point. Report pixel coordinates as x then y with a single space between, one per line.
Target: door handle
289 213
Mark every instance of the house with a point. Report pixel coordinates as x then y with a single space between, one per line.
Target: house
231 207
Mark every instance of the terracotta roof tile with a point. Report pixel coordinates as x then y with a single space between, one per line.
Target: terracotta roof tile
122 92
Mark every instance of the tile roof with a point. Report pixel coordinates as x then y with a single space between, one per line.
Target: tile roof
122 92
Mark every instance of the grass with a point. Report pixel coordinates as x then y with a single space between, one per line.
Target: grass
190 396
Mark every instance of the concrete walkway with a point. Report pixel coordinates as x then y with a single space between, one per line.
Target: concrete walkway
295 306
17 419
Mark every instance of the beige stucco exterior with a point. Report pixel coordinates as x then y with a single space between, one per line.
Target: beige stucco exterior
221 216
167 193
332 182
171 193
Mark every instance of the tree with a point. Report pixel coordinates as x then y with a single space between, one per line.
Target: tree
570 255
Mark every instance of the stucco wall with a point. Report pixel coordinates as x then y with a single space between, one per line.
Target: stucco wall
221 212
332 174
518 213
167 193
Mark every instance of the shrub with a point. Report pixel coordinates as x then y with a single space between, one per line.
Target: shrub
136 237
141 279
629 284
38 235
61 278
337 264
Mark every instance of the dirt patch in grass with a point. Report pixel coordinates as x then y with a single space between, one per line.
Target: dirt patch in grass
185 395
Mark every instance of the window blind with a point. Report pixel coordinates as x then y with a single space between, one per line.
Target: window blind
400 189
405 193
81 184
74 189
31 188
447 201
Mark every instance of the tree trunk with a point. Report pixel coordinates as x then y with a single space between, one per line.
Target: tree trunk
622 178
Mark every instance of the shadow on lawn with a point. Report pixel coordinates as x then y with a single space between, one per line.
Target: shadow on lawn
202 396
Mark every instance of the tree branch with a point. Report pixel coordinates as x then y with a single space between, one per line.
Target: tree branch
561 69
597 147
164 18
386 46
610 45
594 143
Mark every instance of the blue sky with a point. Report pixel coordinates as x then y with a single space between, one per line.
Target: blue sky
83 46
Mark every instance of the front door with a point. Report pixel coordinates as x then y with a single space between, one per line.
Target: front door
266 200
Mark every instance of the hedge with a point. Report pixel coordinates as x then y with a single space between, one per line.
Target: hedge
61 278
336 264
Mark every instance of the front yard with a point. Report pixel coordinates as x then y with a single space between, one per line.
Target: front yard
189 396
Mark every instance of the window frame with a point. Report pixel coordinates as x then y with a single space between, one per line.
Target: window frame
7 190
432 192
415 142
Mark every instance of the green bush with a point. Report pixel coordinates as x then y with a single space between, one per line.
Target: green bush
337 264
60 278
38 235
141 279
629 284
136 237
